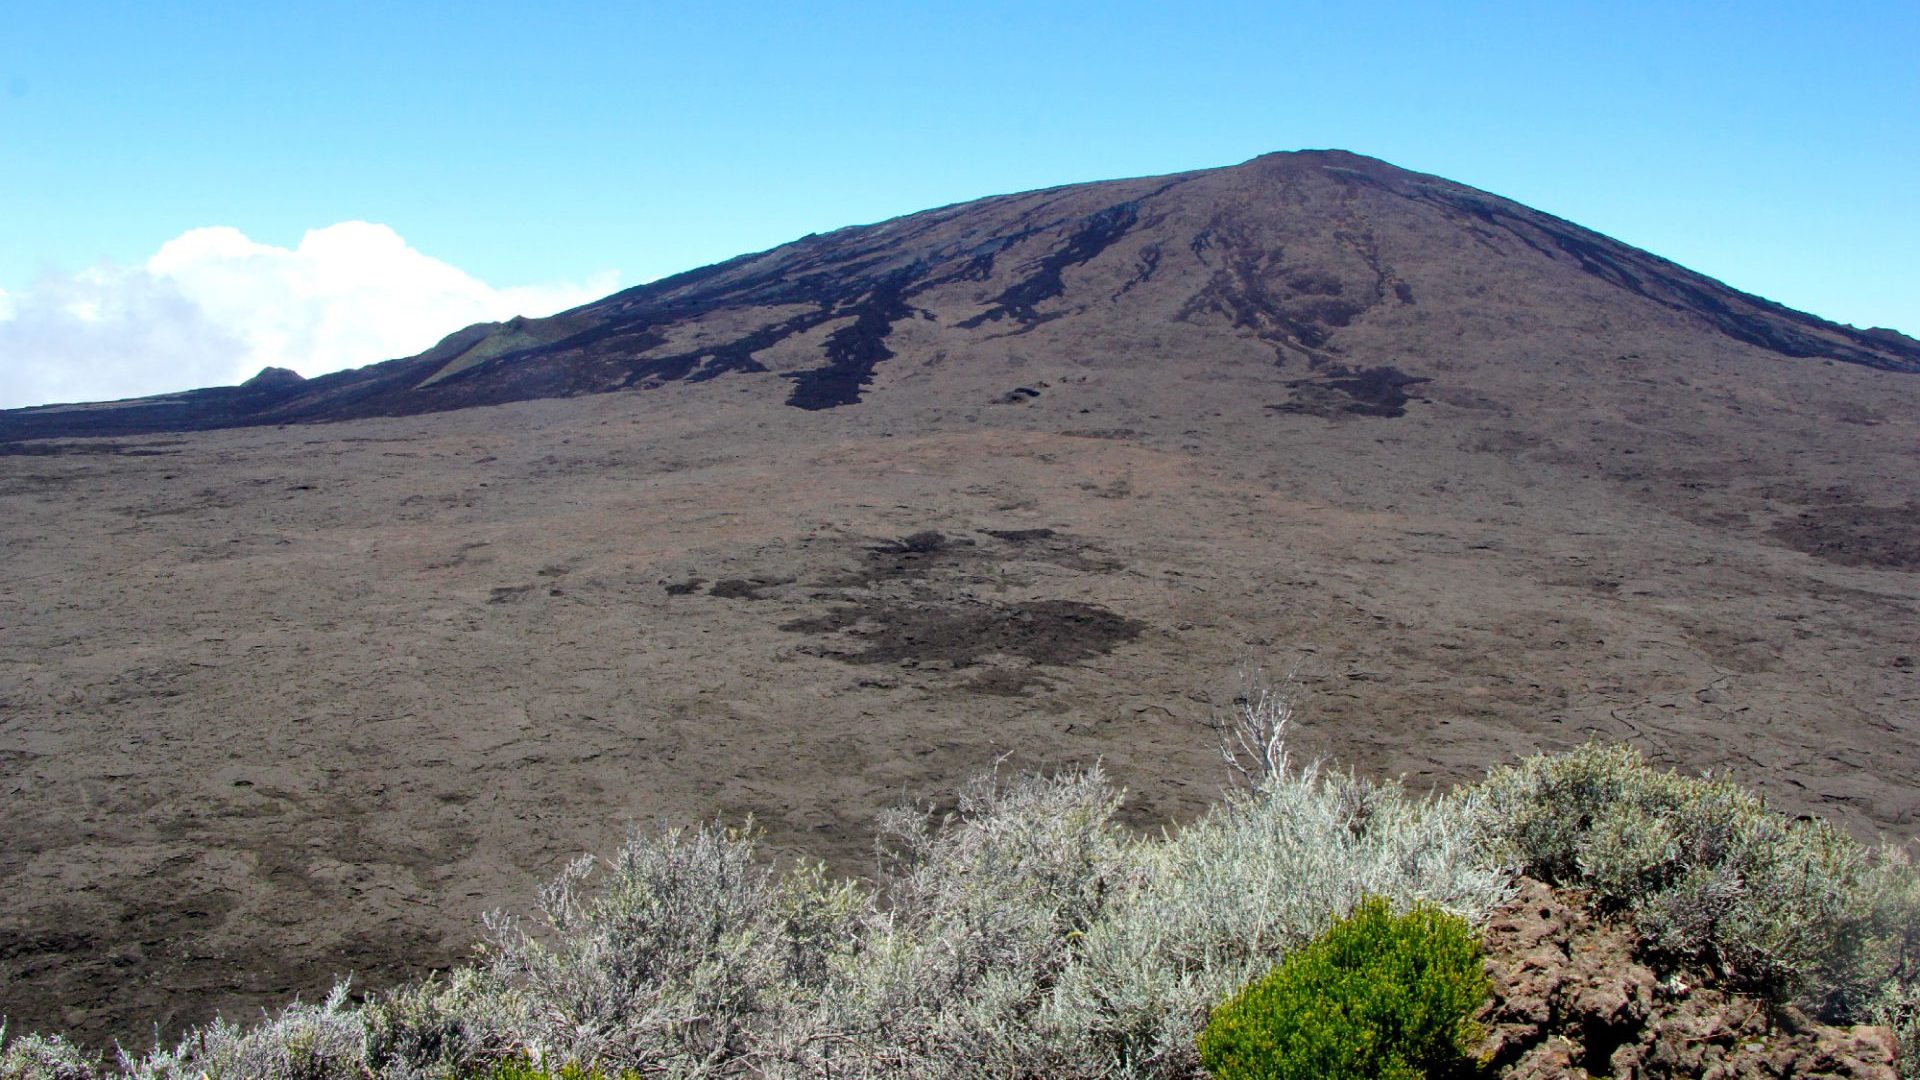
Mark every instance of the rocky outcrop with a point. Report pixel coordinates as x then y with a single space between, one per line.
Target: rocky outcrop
1573 997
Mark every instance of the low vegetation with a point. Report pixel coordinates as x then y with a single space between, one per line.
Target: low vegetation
1377 995
1790 909
1025 934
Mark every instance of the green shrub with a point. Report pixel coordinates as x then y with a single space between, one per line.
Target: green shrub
1377 996
520 1068
525 1069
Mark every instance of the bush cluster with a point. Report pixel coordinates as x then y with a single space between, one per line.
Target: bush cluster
1379 996
1022 934
1791 909
1025 934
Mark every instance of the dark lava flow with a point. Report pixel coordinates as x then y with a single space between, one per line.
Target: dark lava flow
965 633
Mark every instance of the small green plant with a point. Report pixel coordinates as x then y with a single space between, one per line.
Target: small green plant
521 1068
1378 995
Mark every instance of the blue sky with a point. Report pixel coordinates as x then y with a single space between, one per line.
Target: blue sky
542 152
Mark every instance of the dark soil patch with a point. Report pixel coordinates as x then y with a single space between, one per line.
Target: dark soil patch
1002 682
59 449
1377 391
1060 549
925 542
37 483
916 556
745 588
1055 632
1885 537
1019 537
929 553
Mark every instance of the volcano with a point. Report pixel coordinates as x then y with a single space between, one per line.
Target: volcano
300 676
1321 259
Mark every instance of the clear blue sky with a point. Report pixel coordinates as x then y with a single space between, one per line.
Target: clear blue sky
1775 146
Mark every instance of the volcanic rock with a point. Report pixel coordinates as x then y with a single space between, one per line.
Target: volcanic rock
1573 997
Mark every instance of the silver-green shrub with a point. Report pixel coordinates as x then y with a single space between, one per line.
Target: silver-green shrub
301 1042
673 956
1027 936
1895 939
979 913
1898 1009
42 1057
1790 908
435 1029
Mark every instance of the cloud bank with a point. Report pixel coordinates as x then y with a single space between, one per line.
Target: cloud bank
212 307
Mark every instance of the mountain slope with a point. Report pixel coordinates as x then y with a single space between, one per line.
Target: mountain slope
1314 255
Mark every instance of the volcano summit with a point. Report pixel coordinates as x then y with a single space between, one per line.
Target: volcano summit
302 675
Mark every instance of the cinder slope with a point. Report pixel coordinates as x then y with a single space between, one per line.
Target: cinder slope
1032 474
1312 254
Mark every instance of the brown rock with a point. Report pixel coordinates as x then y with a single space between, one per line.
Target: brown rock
1572 998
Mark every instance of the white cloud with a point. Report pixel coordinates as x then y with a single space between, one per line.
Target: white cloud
212 307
